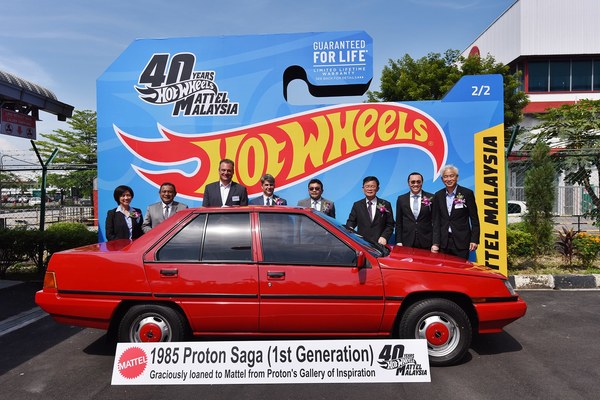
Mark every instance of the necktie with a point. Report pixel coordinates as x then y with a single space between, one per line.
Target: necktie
415 206
166 212
268 201
314 205
370 210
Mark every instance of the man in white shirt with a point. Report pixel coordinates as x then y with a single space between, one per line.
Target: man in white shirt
414 216
225 192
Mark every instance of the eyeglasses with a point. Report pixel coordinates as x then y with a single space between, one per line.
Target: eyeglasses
449 176
370 186
414 182
314 188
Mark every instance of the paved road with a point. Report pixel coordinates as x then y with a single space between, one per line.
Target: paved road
552 353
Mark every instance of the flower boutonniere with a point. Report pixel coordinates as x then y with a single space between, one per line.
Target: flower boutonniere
325 206
426 201
278 201
134 214
459 199
381 208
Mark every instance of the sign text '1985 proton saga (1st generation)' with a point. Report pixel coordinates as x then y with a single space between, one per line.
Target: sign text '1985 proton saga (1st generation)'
277 272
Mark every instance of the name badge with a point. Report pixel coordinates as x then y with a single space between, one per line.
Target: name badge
235 198
459 205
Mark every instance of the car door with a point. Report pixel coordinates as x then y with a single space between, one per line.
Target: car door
309 282
208 267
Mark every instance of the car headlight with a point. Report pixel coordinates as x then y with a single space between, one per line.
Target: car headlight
510 288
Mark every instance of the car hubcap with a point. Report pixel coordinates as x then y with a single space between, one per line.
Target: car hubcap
441 333
151 329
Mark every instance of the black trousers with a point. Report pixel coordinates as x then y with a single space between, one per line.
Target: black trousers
452 249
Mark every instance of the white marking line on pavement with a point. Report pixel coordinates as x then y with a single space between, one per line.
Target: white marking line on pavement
20 320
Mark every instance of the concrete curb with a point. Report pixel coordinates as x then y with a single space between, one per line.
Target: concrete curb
567 281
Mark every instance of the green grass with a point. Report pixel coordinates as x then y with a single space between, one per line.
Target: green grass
551 265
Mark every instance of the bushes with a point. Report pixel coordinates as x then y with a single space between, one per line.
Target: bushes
520 243
67 235
22 245
587 248
18 245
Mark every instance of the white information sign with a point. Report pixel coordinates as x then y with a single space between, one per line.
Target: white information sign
250 362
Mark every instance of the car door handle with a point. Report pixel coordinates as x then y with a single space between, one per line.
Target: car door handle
169 272
275 275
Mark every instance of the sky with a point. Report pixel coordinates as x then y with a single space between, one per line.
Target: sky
66 45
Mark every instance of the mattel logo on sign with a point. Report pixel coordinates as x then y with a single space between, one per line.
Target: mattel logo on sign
17 124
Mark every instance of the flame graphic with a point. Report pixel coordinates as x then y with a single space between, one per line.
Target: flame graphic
290 148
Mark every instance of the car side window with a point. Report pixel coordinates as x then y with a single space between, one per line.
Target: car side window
228 238
297 239
186 244
514 208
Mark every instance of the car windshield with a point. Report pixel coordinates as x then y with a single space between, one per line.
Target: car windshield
375 249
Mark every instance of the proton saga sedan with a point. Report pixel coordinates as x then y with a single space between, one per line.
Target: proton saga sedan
276 272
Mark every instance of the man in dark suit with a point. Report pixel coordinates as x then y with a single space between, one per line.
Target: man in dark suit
315 199
267 182
455 218
414 223
225 192
167 206
372 216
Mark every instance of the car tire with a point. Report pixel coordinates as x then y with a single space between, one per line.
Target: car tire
445 326
151 323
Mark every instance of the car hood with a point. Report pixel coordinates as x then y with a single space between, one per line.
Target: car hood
408 258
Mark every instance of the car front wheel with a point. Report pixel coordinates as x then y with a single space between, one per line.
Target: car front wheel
151 323
444 325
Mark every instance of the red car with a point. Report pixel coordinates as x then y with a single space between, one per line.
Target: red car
274 271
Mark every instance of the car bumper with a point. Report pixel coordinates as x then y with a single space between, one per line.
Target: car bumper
89 313
495 316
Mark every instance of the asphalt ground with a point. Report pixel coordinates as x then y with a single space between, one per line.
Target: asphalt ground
18 308
17 297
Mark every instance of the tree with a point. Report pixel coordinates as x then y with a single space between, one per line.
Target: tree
432 76
540 194
77 152
575 130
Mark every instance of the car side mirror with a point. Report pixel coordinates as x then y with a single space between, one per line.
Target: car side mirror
361 260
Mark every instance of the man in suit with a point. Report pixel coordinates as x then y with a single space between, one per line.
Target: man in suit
414 223
167 206
372 215
455 218
225 192
267 182
315 199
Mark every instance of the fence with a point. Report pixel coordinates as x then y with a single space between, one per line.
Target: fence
572 202
68 195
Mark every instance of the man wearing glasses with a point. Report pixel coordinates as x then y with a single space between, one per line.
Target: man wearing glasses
316 201
371 215
414 222
455 222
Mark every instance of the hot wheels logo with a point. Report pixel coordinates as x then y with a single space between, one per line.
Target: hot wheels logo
173 80
291 148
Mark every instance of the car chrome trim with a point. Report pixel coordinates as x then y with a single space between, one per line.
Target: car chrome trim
207 295
318 297
394 298
510 299
101 293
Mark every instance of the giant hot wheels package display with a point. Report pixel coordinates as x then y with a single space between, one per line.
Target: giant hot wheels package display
292 106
